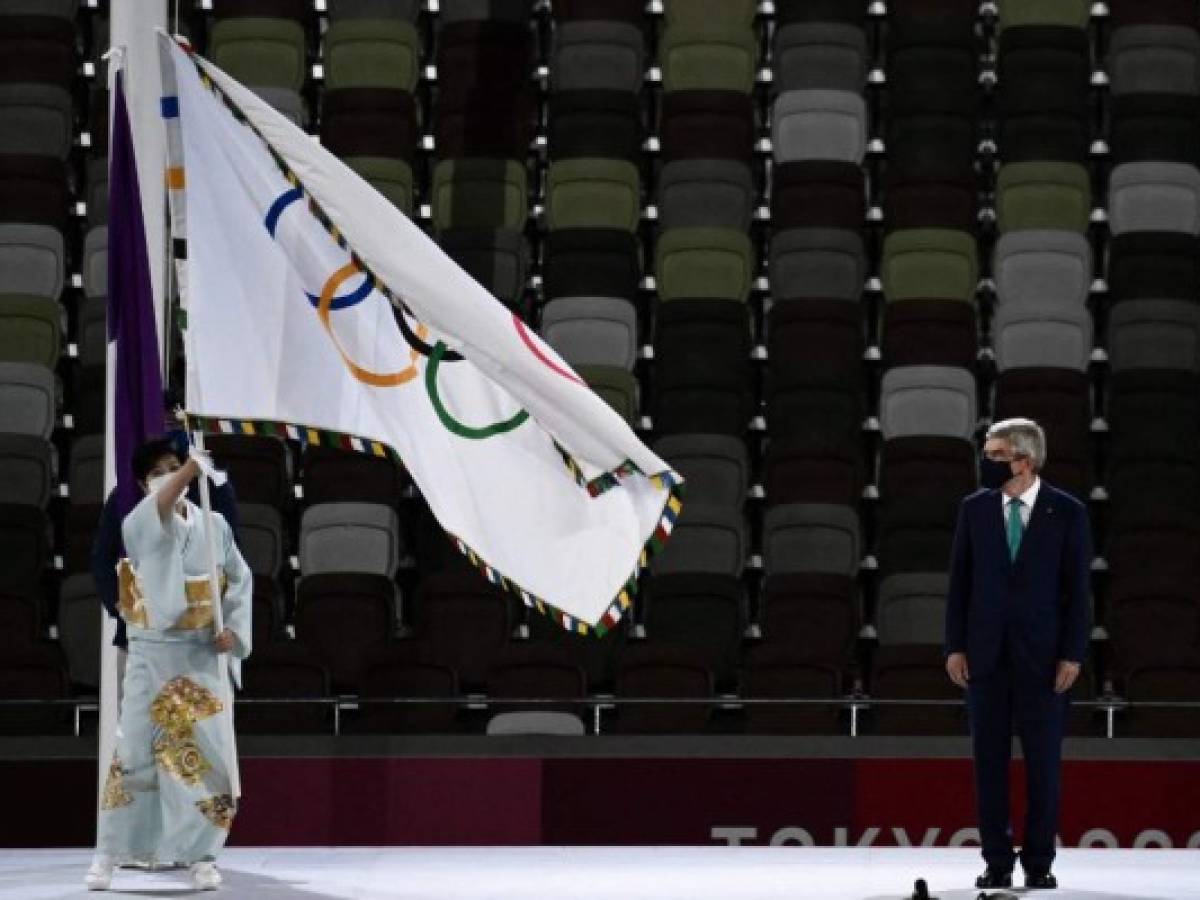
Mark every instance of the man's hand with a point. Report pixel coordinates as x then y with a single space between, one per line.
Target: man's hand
1067 673
956 668
223 642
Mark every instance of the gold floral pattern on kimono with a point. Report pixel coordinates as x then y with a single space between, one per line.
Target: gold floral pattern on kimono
181 704
198 593
131 599
115 795
176 709
218 809
181 757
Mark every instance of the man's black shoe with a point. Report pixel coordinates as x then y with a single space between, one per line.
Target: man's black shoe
1040 881
994 878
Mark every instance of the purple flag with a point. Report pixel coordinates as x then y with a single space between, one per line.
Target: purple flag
137 393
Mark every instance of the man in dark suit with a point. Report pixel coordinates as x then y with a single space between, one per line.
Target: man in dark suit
1017 627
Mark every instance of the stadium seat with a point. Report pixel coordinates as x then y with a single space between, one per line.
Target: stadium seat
915 672
95 262
592 331
260 51
915 537
260 467
399 672
369 122
704 55
809 340
930 74
528 671
497 259
374 9
28 399
591 262
702 368
929 333
372 53
25 534
592 54
911 608
80 617
815 615
1045 268
30 328
1140 12
1154 334
1156 265
391 177
708 540
652 672
938 469
359 538
463 622
333 475
1067 13
36 672
597 656
481 124
817 263
479 193
811 469
1148 127
1037 335
821 404
819 124
86 471
34 189
616 387
28 467
775 672
705 193
1154 196
932 263
701 263
701 611
494 55
284 671
35 120
598 10
261 537
600 124
91 338
716 467
32 260
817 194
1043 73
707 125
1171 681
509 11
593 193
811 538
927 400
819 56
1043 195
1154 59
342 618
923 200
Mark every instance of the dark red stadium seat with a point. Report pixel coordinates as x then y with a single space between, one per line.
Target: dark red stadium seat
342 619
284 671
656 672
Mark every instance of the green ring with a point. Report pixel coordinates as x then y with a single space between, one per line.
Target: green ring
452 424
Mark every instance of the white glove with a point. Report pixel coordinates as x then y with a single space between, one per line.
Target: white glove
205 464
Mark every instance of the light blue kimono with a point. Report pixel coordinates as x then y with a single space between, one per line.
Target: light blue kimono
172 786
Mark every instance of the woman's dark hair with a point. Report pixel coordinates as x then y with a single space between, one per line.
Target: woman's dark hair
149 453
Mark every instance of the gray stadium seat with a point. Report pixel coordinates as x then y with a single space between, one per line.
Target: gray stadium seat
911 608
819 124
820 55
597 55
28 468
32 259
80 629
467 10
1052 268
95 262
1038 335
824 263
85 476
592 331
260 538
699 193
349 537
92 337
28 399
35 120
286 101
706 539
559 724
928 401
716 467
811 538
1154 196
59 9
1154 334
1154 59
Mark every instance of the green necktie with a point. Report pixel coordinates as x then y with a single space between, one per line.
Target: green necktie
1016 527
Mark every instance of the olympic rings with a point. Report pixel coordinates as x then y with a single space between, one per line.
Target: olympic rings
448 421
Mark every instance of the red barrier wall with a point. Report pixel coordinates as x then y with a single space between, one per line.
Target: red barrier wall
489 801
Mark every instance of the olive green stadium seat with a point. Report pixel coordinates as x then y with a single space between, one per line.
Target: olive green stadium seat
704 263
260 52
729 13
391 177
616 387
1069 13
1048 196
593 193
929 264
30 329
372 53
480 193
708 57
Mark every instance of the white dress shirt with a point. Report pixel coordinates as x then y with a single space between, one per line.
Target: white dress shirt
1027 500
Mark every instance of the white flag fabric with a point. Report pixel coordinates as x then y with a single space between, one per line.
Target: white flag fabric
316 310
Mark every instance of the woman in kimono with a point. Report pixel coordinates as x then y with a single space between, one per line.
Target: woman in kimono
172 787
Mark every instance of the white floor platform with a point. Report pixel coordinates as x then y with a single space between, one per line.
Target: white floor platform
608 873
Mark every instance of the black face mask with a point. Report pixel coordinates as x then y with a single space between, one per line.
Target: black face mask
994 473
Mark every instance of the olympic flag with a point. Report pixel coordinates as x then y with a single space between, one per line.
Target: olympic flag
316 310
